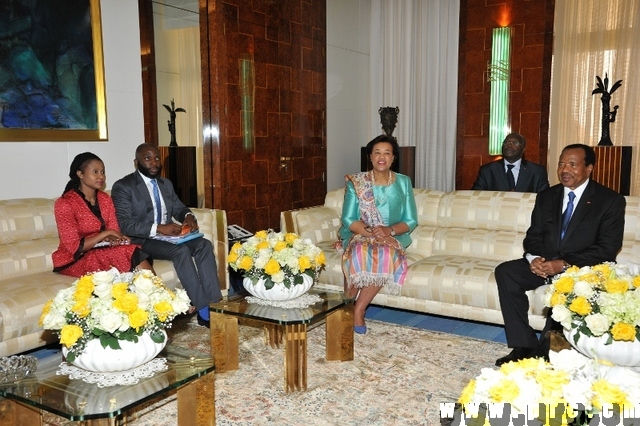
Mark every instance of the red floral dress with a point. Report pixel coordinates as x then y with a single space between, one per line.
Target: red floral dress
75 222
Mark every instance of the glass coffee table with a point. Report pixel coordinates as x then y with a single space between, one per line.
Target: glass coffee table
190 373
281 324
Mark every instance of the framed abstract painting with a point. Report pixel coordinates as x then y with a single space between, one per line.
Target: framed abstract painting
52 84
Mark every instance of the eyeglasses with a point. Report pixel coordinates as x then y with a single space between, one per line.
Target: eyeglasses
513 142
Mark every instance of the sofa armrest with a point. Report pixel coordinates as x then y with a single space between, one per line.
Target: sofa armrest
213 224
319 223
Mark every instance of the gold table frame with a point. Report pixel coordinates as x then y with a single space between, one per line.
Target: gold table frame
288 325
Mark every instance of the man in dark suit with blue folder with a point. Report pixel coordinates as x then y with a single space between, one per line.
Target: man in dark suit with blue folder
512 172
146 207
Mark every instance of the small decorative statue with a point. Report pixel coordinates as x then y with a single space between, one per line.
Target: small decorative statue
388 118
172 121
607 115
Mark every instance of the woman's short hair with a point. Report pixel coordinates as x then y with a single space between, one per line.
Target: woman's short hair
384 138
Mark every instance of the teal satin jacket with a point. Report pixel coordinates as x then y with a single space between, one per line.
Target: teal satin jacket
395 203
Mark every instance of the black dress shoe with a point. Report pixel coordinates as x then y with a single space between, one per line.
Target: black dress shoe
203 322
544 345
515 355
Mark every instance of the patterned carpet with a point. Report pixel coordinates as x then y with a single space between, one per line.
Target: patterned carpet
399 376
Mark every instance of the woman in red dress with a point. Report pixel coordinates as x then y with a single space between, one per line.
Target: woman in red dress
90 238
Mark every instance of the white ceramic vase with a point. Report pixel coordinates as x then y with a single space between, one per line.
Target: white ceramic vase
107 360
278 292
622 353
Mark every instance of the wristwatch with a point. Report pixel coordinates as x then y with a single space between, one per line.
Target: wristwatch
393 231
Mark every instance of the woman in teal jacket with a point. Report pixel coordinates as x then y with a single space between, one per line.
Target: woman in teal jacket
378 215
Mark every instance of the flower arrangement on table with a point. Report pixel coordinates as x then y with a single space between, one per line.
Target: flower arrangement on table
111 306
597 300
277 258
570 383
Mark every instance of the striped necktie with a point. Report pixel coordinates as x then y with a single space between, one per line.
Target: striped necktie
156 198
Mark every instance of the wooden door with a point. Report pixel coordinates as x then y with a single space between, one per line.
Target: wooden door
264 96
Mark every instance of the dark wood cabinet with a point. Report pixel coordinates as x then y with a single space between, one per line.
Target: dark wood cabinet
179 166
613 167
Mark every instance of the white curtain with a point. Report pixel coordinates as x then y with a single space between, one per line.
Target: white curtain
414 66
595 38
188 42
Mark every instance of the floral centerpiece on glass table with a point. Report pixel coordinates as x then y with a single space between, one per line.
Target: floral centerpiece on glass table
277 261
599 309
569 386
113 308
600 300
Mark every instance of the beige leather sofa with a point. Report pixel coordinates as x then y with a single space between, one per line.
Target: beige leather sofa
461 237
28 236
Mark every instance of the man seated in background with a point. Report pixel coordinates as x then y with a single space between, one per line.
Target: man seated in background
512 172
146 206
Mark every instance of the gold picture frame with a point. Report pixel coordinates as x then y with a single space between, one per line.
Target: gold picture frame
53 88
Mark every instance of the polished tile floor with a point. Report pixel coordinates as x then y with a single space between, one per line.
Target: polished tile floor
473 329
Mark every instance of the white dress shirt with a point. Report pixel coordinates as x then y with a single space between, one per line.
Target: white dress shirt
516 168
154 227
565 200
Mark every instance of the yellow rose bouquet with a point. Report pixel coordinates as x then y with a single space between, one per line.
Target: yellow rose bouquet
568 387
111 307
597 300
277 258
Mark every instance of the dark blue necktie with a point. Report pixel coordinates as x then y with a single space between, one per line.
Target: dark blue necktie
156 198
566 216
511 178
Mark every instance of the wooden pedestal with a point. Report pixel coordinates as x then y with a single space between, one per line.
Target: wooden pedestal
179 166
613 167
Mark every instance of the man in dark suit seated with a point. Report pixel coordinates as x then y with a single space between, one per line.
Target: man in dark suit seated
577 222
146 206
512 172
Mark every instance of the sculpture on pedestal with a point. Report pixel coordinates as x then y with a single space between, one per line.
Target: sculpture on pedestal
607 115
388 119
172 121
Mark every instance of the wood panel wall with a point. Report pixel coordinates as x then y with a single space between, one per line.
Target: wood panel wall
148 59
283 165
289 35
532 23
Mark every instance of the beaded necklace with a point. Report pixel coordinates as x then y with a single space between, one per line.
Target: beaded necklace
373 178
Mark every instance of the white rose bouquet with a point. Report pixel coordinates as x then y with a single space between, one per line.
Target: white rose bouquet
570 385
277 258
597 300
111 306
